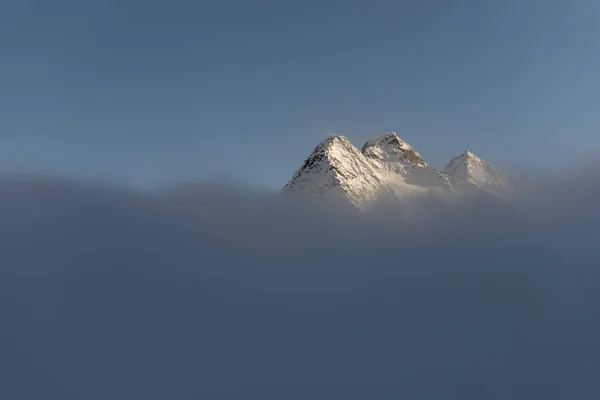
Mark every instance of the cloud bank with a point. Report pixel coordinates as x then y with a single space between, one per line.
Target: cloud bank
217 292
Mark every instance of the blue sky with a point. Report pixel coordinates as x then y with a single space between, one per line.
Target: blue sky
152 92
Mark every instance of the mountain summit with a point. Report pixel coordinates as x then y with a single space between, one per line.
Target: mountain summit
390 148
467 170
407 165
337 168
388 168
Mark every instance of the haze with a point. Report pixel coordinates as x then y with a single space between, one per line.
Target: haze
146 251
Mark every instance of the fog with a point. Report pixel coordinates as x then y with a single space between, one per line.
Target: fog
212 291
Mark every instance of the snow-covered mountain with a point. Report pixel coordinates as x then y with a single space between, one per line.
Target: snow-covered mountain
337 169
469 172
389 148
405 163
388 168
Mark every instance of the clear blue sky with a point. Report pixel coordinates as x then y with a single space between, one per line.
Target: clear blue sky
151 92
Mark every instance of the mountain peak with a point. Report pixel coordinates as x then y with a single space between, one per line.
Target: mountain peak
466 155
388 147
336 168
330 142
335 138
388 168
472 170
409 171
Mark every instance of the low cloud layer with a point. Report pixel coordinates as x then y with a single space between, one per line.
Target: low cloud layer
216 292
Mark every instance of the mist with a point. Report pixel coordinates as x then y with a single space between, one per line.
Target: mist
221 292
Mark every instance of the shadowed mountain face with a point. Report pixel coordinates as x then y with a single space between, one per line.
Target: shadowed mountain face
394 167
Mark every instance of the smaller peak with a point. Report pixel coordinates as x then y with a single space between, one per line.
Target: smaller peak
389 135
389 147
465 155
388 139
384 137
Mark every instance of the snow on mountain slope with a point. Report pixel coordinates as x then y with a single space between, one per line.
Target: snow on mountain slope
469 172
337 169
389 169
388 147
406 163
